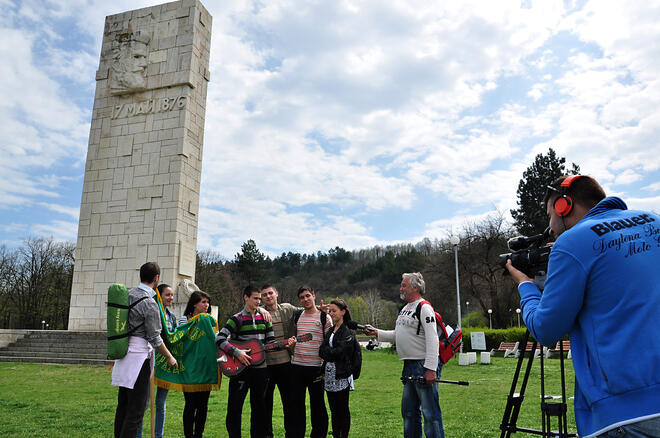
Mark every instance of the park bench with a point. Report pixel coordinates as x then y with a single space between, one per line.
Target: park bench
566 346
537 353
508 348
512 349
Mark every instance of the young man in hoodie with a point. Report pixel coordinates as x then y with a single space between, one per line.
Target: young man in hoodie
603 286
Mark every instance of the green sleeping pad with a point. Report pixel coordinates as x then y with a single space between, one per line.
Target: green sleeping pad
118 309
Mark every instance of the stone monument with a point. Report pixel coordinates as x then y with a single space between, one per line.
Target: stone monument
140 197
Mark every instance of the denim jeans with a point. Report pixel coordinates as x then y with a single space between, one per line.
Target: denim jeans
308 379
420 399
161 400
641 429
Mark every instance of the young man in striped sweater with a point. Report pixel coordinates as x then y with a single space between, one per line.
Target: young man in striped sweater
247 324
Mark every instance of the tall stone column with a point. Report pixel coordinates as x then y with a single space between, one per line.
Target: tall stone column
140 196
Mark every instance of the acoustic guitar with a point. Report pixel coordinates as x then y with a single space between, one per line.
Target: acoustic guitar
231 366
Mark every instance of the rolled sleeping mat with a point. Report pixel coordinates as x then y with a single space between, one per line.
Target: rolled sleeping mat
117 321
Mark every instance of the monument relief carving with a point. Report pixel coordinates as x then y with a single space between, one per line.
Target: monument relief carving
129 62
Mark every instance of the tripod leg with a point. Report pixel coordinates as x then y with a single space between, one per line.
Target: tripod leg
514 401
563 418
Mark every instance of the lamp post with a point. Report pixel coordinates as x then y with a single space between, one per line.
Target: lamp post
518 312
454 240
490 317
467 310
43 324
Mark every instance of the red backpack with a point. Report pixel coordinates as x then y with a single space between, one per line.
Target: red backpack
448 345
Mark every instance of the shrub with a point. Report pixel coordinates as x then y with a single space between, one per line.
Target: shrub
493 337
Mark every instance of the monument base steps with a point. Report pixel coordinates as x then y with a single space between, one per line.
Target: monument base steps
57 346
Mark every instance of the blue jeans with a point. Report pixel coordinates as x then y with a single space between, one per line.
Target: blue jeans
419 398
641 429
161 400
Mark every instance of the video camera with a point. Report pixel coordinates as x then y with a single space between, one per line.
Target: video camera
528 255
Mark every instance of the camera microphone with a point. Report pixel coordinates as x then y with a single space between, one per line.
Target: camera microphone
355 326
522 242
517 243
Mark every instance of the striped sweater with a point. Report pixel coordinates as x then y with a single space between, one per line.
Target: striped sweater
242 327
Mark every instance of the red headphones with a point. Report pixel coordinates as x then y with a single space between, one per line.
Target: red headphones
563 204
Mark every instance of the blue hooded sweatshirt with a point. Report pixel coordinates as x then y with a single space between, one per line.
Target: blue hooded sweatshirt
603 287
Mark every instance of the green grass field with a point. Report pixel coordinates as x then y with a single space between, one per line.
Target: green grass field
78 401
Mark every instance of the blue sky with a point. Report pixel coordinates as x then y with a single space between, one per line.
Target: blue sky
350 123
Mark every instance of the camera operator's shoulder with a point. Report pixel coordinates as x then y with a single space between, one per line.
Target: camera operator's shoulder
574 241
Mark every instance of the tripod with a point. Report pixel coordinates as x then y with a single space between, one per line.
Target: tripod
548 409
420 379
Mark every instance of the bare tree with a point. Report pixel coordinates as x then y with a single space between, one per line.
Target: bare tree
482 276
36 283
214 276
375 306
7 279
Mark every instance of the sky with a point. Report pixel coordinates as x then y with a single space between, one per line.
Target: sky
349 123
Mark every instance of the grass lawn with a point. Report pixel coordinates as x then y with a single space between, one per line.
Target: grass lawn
78 401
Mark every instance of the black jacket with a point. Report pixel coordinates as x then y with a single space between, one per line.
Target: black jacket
341 353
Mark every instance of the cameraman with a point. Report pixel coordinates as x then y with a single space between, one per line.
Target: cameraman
603 287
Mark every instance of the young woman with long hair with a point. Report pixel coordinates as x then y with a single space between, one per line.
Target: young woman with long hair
337 353
197 403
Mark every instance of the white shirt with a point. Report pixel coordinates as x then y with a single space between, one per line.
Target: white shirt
410 345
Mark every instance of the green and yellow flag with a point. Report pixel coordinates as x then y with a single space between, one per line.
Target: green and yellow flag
193 346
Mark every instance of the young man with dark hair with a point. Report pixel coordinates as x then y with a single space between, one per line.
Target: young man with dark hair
132 372
167 296
307 366
247 324
279 361
603 286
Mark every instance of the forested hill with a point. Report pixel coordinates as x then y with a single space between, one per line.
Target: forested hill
370 278
36 278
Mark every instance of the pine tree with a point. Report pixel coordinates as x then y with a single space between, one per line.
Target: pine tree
530 217
250 262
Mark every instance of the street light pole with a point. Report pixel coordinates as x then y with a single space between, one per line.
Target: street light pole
490 317
454 240
518 312
467 310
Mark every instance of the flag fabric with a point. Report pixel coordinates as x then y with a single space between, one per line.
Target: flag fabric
193 346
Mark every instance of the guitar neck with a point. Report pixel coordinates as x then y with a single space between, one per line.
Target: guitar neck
273 346
280 345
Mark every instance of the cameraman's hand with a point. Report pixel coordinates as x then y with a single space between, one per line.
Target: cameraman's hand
517 275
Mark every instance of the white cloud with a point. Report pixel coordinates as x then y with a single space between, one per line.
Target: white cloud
272 227
648 204
628 176
454 225
59 230
14 228
321 115
652 187
73 213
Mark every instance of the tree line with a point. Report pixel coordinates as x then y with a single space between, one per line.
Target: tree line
35 279
35 284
